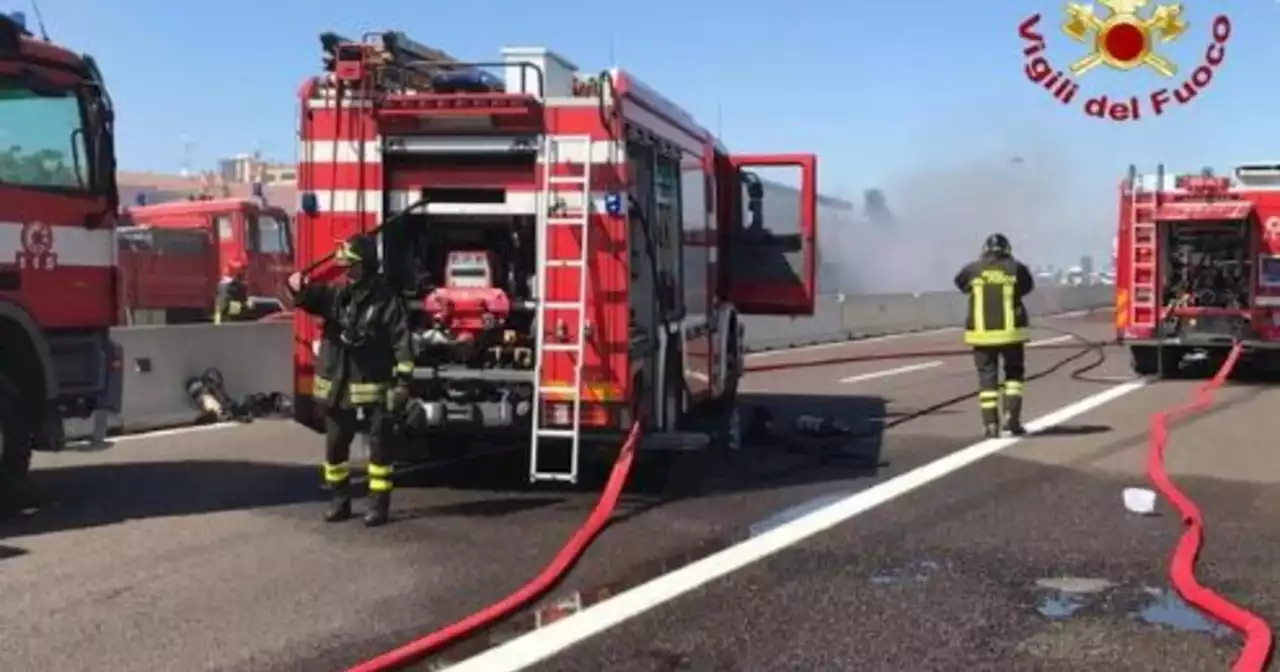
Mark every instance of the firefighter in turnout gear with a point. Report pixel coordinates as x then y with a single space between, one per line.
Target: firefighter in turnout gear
364 367
232 303
996 329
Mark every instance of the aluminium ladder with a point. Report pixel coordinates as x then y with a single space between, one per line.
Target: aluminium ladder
1143 235
574 153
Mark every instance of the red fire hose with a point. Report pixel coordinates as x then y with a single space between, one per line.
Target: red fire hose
1258 638
595 522
1257 634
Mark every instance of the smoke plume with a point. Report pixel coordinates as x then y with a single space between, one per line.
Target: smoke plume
915 233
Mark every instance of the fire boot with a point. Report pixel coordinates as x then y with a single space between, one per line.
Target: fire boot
1013 415
340 506
989 402
379 509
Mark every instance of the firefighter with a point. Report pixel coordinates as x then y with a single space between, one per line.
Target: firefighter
233 303
365 365
996 329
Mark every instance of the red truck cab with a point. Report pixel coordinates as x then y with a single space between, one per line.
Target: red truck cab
175 253
58 201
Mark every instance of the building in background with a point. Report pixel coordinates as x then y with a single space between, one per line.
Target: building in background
248 168
233 178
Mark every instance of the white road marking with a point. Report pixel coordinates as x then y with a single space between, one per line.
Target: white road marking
73 445
541 644
885 373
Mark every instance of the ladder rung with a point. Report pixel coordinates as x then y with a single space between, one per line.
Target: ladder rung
556 433
565 263
568 179
562 305
563 476
561 347
567 221
557 389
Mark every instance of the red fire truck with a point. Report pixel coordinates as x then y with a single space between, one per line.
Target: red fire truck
58 200
621 242
1198 265
173 254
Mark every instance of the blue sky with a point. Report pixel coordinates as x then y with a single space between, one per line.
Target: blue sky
880 90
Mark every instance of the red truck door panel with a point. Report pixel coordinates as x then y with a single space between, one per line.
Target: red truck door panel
772 265
271 257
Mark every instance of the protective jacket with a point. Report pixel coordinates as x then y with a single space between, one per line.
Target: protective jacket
365 344
996 286
232 302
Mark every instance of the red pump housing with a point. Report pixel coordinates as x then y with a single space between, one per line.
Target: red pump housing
468 303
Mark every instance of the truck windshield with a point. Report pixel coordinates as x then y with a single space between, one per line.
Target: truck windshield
42 139
273 235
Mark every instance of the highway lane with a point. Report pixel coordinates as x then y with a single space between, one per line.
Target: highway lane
203 550
1026 560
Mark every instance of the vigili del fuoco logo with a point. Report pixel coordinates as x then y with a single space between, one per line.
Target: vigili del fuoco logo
1124 38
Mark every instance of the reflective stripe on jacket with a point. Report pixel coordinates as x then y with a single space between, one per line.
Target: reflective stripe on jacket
996 287
365 343
232 302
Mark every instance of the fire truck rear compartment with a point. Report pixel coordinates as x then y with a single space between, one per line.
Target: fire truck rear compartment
1207 271
469 283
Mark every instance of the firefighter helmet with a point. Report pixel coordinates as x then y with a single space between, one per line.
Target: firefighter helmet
997 244
359 249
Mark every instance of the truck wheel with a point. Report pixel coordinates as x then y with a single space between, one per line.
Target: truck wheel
15 440
733 365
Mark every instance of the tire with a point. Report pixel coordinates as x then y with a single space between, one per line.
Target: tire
673 396
733 364
15 440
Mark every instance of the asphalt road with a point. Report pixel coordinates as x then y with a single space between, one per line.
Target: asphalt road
204 550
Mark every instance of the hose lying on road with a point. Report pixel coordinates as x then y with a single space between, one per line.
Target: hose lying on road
1257 634
600 516
1080 342
419 648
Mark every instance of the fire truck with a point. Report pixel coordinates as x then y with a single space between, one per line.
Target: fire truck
1198 265
574 249
172 256
58 201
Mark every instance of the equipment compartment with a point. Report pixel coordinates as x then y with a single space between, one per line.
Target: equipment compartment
1207 264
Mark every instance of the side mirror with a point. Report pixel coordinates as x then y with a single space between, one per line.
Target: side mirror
755 200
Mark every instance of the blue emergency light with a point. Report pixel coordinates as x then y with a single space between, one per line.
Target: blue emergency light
140 199
613 203
309 203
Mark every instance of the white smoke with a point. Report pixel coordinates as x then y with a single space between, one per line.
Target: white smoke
942 213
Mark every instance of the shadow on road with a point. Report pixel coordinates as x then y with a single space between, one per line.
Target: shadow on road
78 497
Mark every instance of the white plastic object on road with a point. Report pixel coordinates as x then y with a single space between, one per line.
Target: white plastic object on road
1140 501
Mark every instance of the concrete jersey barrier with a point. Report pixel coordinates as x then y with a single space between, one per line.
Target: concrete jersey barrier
840 318
258 357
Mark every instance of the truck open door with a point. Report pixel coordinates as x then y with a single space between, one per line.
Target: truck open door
772 266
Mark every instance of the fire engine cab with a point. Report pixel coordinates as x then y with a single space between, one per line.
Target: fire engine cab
575 250
58 200
1198 265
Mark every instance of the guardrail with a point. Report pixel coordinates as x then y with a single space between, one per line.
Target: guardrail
257 357
844 318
